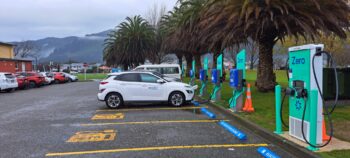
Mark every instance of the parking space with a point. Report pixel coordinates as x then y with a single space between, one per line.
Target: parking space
68 121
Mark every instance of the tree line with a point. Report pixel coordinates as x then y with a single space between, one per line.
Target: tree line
196 27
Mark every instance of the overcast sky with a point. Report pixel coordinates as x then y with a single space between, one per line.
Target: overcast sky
36 19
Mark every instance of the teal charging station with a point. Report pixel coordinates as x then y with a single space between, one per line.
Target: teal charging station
203 76
237 79
216 78
305 102
193 73
182 70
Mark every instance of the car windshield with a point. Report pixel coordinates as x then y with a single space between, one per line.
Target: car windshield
108 76
159 75
9 76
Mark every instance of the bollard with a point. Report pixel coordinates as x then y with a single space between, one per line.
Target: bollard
278 109
195 103
208 113
267 153
240 135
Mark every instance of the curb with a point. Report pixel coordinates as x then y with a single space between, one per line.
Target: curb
286 145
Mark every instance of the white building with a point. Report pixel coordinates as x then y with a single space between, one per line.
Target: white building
75 67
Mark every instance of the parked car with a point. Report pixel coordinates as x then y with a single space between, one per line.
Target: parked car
169 70
22 81
48 77
59 77
8 82
138 86
71 78
34 79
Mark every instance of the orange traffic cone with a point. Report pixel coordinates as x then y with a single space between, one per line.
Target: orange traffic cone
248 106
325 137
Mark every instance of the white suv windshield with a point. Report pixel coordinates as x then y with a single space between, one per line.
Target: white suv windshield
9 76
159 75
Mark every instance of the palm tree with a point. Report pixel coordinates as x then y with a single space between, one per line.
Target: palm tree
129 43
109 49
269 21
180 27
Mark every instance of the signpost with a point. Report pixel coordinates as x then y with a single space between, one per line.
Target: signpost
85 67
193 73
203 77
51 64
217 79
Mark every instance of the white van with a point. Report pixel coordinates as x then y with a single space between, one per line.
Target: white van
8 82
169 70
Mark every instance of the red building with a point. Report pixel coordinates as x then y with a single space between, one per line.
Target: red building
15 65
9 64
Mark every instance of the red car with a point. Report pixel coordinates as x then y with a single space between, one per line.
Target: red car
34 79
59 77
22 81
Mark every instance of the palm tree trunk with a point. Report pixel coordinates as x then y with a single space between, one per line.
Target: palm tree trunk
197 58
266 79
251 66
179 57
188 57
215 56
125 67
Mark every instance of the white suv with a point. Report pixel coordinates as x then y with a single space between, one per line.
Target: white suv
8 82
71 78
124 87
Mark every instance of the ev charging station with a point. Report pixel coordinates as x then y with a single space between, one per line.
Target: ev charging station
237 81
203 76
304 90
193 73
216 79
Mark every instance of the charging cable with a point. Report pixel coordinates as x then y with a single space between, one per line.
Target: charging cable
328 113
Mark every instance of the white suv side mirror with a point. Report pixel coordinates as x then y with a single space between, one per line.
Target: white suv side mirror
160 81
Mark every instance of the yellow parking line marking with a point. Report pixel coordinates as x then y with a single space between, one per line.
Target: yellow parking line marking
149 109
152 122
92 136
155 148
116 116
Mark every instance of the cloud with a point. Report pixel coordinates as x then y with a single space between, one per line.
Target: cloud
35 19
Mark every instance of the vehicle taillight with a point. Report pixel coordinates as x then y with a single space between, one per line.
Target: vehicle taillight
103 83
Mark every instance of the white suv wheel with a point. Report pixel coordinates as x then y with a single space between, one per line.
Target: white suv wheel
114 100
176 99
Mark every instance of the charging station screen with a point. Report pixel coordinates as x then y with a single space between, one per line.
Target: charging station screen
233 77
298 84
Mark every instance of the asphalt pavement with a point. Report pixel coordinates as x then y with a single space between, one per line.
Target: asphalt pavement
66 120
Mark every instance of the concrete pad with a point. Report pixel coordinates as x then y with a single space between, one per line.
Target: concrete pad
335 144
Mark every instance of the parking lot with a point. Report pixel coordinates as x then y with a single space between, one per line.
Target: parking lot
68 121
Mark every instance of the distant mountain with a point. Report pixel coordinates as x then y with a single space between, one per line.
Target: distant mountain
78 49
100 34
